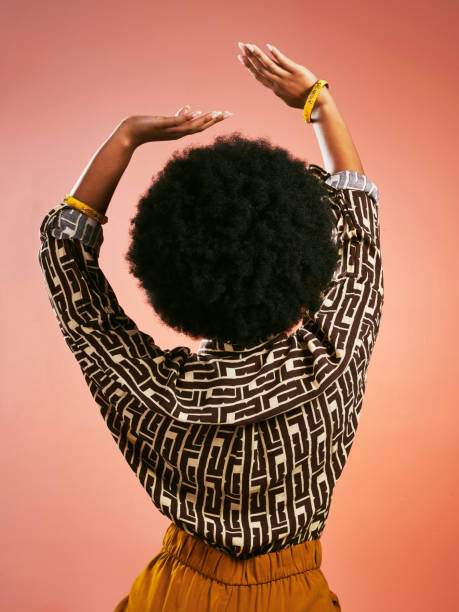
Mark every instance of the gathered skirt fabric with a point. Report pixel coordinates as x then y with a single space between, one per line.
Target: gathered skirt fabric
188 574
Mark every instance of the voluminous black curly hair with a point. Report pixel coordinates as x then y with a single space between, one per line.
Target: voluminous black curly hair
232 239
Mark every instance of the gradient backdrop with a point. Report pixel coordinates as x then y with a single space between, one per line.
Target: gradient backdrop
77 526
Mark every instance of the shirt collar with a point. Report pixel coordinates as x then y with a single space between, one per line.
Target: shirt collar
213 345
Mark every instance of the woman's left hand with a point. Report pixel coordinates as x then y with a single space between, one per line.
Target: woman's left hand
149 128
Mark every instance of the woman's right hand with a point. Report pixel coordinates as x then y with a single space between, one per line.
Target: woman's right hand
288 80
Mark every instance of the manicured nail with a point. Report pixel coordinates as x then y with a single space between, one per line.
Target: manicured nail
216 113
241 46
270 47
226 114
240 59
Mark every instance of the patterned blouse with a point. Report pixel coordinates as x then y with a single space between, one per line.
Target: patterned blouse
239 446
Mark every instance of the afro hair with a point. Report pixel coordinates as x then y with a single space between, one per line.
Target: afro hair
233 239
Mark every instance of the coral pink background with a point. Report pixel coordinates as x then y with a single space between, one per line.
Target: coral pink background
77 526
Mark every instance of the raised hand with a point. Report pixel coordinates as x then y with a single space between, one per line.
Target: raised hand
288 80
148 128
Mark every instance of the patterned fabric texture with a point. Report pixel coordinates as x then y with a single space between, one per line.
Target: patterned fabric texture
239 446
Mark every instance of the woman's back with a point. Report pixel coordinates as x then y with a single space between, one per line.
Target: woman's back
241 446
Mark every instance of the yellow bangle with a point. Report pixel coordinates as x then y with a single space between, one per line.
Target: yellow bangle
84 208
312 98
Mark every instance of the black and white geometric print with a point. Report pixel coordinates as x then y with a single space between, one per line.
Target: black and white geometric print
240 446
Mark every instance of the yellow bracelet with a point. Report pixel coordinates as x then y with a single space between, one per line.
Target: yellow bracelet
312 98
84 208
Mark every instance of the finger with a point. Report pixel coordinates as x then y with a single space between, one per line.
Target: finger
285 62
255 72
195 125
265 63
208 119
199 120
183 110
165 122
208 122
260 68
253 63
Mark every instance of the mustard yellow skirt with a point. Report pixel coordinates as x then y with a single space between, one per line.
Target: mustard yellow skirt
188 574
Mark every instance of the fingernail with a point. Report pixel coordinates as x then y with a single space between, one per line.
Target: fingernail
240 59
216 113
241 46
250 47
195 114
270 47
226 114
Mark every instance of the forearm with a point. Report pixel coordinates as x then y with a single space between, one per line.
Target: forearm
99 179
335 141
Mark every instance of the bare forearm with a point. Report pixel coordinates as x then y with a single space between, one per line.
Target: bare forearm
335 141
99 179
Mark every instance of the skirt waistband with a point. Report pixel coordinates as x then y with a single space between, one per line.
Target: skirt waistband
222 567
